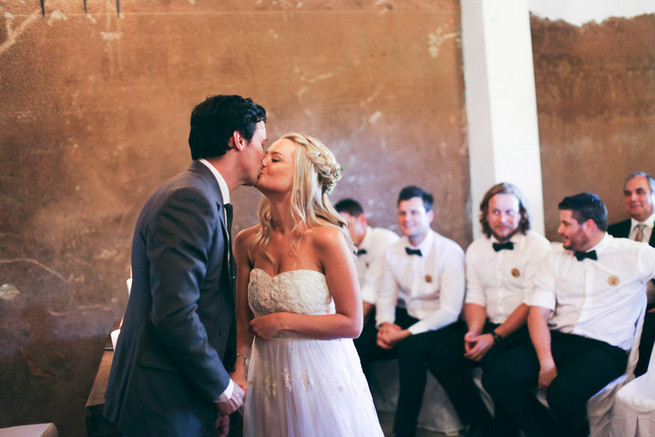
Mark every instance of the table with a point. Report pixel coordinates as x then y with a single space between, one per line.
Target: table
96 425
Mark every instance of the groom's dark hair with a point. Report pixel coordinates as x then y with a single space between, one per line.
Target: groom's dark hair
214 120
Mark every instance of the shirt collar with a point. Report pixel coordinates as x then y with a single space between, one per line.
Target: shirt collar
648 222
225 192
602 244
424 245
366 238
514 239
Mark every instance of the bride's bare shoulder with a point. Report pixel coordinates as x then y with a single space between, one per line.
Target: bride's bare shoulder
246 236
325 237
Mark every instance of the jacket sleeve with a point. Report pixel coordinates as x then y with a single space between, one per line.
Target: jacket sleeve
178 242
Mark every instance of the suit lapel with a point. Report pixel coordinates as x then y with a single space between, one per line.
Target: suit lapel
215 191
625 230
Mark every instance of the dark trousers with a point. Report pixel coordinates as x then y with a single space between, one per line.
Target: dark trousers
584 366
447 363
236 424
413 364
367 348
646 342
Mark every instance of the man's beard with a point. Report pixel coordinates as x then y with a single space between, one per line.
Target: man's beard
504 239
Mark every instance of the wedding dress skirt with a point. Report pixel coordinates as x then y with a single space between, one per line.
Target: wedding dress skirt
300 386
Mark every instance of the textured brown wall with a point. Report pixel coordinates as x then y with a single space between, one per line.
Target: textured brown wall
596 106
94 116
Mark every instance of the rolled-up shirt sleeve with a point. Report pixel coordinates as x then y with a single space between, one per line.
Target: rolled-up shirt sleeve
543 294
474 290
387 296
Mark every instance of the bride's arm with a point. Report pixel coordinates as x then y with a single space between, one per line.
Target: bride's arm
333 254
243 313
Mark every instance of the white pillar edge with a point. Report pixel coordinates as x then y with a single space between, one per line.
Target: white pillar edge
500 101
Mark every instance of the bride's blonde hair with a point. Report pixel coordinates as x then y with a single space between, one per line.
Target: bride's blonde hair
316 172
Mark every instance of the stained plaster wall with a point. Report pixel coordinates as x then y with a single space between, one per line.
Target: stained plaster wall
94 114
595 88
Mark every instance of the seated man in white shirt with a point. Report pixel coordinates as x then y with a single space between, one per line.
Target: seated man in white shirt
639 196
500 270
587 299
371 244
419 299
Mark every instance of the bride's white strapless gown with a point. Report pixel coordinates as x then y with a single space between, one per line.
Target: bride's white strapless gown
300 386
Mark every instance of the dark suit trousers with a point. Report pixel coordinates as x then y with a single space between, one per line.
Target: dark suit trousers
413 364
584 366
447 363
367 348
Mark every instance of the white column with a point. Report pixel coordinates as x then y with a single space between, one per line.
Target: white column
501 104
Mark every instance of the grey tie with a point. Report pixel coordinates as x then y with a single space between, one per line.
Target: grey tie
639 236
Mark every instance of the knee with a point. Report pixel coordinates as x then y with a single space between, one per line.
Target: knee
560 402
571 415
366 342
412 348
411 361
442 362
408 359
495 376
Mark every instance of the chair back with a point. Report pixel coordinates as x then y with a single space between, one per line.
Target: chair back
600 405
633 357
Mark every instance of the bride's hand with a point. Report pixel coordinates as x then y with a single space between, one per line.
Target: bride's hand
239 378
268 326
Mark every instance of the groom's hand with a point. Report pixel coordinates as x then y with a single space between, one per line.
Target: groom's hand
231 405
222 426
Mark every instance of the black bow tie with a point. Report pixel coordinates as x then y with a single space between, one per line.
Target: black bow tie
582 255
500 246
361 252
413 251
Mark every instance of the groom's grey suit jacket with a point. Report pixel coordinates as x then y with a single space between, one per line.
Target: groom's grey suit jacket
178 339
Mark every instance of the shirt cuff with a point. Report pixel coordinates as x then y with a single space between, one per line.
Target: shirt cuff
227 394
474 299
418 328
368 294
543 300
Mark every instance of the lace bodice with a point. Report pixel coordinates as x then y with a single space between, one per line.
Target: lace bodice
295 291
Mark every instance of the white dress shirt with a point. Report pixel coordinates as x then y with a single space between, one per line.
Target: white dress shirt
225 192
222 185
430 287
370 264
597 299
501 281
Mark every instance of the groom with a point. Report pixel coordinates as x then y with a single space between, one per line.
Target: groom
170 376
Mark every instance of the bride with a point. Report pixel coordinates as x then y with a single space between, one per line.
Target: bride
298 304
